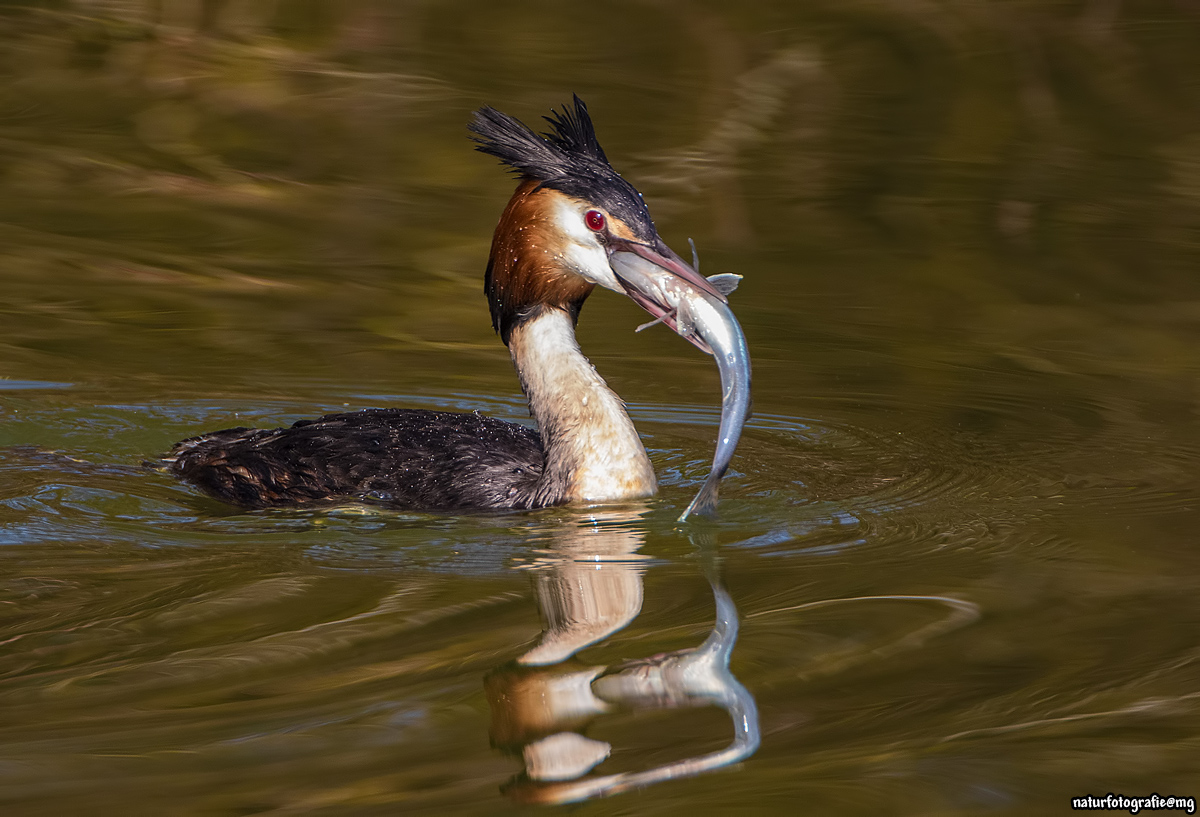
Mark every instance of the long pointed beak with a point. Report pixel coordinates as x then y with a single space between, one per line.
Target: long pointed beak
664 285
657 270
666 258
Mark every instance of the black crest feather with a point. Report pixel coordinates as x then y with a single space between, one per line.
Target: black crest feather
568 158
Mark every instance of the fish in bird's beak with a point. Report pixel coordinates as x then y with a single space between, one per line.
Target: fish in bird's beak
697 309
646 291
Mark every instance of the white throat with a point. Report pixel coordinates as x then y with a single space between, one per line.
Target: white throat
593 452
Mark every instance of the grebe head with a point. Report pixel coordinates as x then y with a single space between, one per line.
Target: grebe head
570 220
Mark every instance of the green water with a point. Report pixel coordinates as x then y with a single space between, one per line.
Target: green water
961 529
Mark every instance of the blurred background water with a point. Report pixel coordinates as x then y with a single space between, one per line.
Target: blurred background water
961 530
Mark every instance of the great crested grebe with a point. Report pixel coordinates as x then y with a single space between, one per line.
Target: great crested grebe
572 223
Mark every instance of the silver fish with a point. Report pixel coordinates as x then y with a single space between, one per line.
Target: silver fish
697 309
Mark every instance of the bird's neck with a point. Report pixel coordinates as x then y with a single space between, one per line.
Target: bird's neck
593 453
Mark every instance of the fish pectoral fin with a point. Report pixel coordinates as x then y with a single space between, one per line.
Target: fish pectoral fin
658 320
725 282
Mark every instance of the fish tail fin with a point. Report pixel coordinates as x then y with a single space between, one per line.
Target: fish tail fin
705 502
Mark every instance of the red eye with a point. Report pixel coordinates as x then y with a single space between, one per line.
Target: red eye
594 219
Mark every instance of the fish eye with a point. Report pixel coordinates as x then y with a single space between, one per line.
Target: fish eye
594 220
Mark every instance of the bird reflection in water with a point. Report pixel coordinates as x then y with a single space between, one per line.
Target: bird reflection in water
588 588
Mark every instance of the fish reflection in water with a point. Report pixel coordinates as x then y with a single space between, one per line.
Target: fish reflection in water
588 589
